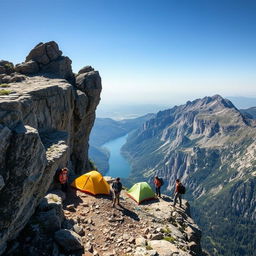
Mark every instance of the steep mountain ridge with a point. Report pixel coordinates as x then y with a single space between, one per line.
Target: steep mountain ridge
211 146
249 112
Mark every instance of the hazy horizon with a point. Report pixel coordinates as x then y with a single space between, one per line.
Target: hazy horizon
146 51
127 111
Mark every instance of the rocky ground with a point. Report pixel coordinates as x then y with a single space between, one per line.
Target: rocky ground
89 225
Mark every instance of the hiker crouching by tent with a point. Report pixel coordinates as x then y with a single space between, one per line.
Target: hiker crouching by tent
117 187
63 178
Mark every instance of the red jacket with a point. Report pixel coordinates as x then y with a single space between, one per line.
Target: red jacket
157 183
177 187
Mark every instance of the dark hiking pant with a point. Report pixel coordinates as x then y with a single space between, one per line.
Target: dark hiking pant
158 192
177 195
116 198
64 187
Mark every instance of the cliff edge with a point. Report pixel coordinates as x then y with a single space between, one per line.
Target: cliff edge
46 115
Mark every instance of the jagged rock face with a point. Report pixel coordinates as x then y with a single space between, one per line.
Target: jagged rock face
44 125
211 146
46 58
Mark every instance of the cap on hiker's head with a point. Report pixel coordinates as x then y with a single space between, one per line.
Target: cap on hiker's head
177 180
65 169
117 178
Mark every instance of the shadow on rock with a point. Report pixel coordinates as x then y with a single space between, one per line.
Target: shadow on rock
129 213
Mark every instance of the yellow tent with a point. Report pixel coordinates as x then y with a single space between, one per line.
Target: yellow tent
92 182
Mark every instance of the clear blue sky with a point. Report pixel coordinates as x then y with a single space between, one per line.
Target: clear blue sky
146 51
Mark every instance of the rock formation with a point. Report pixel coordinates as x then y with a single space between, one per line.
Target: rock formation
46 115
210 145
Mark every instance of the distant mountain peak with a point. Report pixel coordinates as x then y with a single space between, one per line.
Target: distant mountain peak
215 101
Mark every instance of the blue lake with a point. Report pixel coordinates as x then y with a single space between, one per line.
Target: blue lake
118 165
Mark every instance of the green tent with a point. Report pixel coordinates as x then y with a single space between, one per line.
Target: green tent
140 192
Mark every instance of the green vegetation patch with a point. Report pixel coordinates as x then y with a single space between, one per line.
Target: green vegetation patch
5 92
166 230
170 239
148 247
4 85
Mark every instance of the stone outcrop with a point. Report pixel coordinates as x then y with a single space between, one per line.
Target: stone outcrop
45 122
46 58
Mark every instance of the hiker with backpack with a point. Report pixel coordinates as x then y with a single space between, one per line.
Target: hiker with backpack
117 187
179 190
158 184
63 179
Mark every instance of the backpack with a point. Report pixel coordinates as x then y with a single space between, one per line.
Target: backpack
161 181
182 189
117 186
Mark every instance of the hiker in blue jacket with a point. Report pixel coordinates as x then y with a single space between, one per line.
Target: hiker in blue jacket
117 187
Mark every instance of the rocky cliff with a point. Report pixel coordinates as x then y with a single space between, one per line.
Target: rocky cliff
211 146
46 115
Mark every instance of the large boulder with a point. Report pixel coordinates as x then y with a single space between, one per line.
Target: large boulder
44 53
163 247
6 67
60 67
28 68
85 69
68 240
49 221
46 58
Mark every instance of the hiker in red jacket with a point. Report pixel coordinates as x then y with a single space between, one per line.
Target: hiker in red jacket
177 193
158 184
63 178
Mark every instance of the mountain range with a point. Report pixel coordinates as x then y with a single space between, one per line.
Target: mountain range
210 145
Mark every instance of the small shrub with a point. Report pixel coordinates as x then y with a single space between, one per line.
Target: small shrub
148 247
8 68
169 239
5 92
166 230
4 85
8 65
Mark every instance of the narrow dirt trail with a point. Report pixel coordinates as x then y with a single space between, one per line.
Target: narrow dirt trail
106 230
